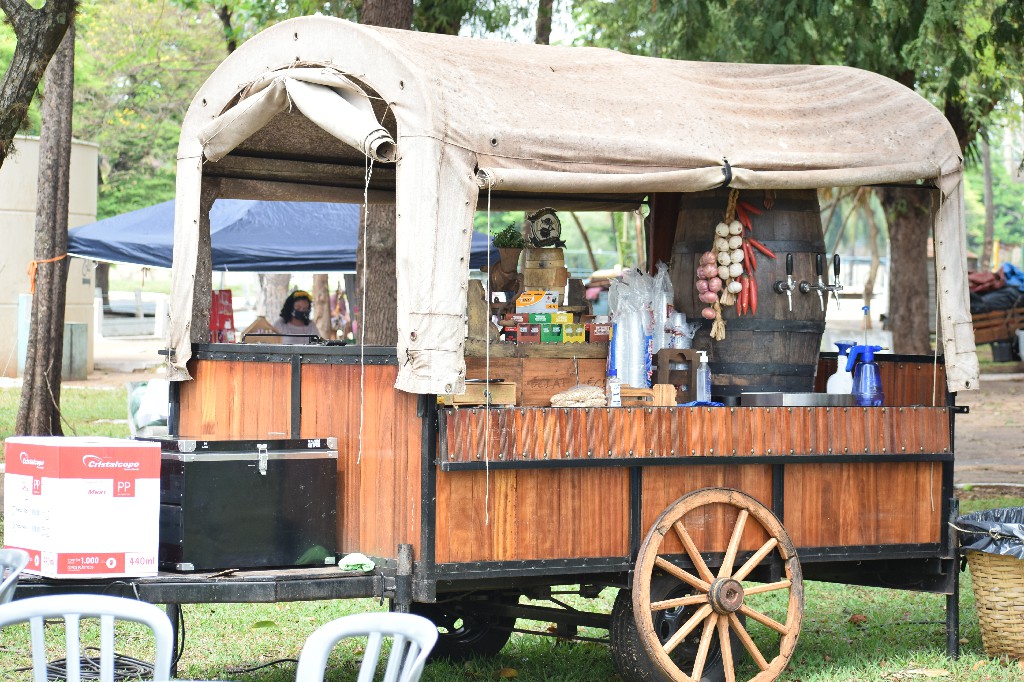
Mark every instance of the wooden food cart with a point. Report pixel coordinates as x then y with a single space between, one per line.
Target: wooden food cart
708 519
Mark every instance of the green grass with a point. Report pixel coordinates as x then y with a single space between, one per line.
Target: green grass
85 411
900 632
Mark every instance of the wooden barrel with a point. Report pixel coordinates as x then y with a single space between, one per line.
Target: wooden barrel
776 349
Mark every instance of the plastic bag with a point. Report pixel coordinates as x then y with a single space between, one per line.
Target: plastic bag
662 307
630 338
993 531
580 395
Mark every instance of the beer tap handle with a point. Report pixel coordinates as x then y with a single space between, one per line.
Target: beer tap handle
835 285
789 280
819 269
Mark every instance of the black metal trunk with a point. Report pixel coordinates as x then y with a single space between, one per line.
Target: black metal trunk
248 504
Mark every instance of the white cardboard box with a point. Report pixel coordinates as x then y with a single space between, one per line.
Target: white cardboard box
83 507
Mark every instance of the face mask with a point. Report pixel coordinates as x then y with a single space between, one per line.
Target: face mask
301 315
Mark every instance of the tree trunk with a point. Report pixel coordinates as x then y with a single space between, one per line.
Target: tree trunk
376 290
641 243
378 318
322 306
544 21
230 40
586 240
908 211
103 283
39 410
39 32
388 13
869 285
273 291
990 209
202 292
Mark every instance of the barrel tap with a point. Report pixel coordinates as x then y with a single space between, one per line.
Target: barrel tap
786 286
805 286
835 287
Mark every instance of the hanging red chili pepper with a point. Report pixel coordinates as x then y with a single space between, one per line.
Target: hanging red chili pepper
761 247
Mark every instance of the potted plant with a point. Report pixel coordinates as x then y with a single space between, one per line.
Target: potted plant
509 242
509 238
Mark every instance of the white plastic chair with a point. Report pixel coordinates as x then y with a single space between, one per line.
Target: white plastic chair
412 639
72 608
12 561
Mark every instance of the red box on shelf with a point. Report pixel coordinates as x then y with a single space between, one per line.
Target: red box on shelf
222 317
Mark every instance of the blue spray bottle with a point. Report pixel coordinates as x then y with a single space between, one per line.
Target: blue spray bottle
867 382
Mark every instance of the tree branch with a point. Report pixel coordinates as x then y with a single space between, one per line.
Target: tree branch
18 12
39 33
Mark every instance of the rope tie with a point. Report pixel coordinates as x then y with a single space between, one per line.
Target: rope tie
33 268
992 533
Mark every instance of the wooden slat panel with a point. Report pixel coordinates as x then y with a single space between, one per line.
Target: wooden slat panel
236 400
534 514
710 529
904 383
537 379
699 431
829 505
379 501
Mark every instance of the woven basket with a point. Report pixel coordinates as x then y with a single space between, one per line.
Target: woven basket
999 598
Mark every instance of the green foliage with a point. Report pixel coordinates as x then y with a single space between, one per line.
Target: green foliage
84 411
239 20
1007 198
964 55
479 16
509 237
139 62
603 229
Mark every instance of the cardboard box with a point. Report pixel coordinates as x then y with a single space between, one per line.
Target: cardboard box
222 317
537 301
561 318
574 333
528 333
541 318
551 333
597 333
83 507
518 318
260 331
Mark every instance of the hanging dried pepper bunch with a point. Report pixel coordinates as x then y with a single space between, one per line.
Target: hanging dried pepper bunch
725 274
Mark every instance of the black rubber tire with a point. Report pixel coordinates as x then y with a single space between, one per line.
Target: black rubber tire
633 663
467 628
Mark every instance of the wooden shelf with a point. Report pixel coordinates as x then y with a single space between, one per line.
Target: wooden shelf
475 348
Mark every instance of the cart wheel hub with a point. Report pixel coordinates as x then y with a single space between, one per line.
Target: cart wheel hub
726 596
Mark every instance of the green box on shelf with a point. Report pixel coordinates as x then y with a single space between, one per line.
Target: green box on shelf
551 333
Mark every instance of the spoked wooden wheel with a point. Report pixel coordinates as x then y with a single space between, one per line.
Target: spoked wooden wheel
719 596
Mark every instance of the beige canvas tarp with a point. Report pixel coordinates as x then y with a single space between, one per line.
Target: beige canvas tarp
470 117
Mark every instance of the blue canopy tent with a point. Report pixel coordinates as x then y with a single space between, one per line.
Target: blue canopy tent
254 236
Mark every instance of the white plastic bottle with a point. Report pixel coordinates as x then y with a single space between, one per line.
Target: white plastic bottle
703 378
842 380
613 390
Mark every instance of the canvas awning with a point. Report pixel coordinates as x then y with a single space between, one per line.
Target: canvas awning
476 119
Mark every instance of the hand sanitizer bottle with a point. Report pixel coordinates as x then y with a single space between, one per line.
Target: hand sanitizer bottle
703 378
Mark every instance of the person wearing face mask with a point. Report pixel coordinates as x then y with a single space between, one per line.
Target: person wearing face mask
296 319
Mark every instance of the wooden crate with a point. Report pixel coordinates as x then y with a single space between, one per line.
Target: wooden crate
501 393
664 374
